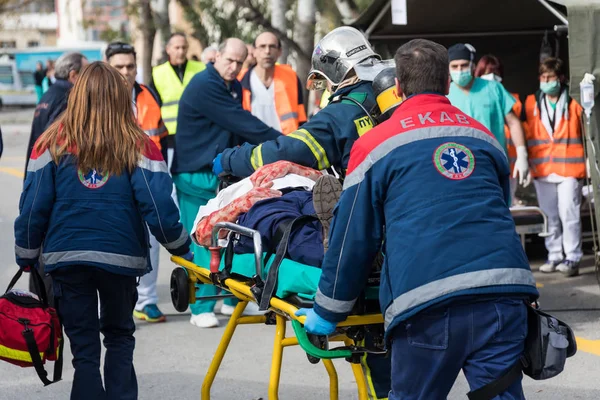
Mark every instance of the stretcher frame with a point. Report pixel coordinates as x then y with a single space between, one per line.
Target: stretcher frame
283 312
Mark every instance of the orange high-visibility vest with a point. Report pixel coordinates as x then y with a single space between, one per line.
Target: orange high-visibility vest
511 149
289 108
562 153
148 115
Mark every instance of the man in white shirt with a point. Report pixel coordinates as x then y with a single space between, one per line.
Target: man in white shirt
271 91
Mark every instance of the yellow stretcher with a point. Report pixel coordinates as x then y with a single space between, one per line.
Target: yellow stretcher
183 292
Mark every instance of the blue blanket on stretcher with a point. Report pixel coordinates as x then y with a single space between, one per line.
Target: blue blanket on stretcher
306 242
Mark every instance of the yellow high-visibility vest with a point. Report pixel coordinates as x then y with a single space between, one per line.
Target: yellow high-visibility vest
170 89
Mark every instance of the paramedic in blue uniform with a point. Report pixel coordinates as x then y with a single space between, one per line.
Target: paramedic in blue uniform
327 138
435 182
94 182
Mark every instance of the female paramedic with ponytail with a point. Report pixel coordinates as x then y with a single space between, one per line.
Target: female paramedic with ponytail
94 181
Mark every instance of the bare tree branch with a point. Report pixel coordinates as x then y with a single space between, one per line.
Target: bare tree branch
253 14
194 17
348 10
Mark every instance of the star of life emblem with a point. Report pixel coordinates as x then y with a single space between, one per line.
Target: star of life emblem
93 179
454 161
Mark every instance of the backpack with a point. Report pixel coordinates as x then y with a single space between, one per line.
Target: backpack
31 330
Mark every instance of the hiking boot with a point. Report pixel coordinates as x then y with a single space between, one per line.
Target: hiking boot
150 313
326 193
549 266
569 268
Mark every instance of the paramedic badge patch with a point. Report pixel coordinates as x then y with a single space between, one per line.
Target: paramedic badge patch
93 179
454 161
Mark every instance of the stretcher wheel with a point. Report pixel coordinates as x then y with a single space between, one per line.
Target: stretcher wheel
180 289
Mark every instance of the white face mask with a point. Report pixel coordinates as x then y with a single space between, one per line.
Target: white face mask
491 77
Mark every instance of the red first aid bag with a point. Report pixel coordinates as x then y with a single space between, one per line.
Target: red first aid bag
30 330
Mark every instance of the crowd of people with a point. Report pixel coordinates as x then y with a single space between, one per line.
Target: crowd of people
227 138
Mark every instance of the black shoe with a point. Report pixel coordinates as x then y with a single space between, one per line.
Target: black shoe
326 193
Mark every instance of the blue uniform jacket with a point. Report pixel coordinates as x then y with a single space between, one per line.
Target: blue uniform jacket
435 184
322 142
211 119
51 106
97 220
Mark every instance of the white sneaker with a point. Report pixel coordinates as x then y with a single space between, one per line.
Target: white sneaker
205 320
252 309
549 266
226 309
569 268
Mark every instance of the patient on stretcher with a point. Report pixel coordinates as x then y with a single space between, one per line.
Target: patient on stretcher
275 194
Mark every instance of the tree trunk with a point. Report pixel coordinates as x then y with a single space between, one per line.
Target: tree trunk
279 21
348 10
148 30
305 37
162 23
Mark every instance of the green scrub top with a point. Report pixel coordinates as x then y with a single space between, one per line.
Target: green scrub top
488 102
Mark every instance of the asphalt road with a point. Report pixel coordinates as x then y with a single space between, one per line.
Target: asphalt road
171 358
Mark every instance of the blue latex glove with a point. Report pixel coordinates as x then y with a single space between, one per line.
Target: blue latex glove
316 324
189 256
217 166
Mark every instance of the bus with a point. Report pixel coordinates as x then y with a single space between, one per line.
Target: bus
17 86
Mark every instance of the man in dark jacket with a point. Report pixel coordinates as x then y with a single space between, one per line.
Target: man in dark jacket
324 141
434 183
211 119
54 101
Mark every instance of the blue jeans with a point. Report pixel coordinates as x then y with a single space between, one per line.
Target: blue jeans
483 338
76 291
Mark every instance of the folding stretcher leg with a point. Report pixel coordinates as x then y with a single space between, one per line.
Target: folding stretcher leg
277 357
333 379
220 353
359 376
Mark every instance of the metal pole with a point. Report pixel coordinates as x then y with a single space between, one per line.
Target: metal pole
458 34
378 18
554 11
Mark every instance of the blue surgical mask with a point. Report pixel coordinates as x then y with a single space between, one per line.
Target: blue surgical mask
461 78
551 88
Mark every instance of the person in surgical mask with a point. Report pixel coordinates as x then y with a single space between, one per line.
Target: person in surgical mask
555 145
490 68
488 102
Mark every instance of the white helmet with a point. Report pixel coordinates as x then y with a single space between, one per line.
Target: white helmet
335 55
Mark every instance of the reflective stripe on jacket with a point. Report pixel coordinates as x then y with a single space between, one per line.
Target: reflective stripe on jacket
288 97
148 114
170 88
430 185
560 153
322 142
86 218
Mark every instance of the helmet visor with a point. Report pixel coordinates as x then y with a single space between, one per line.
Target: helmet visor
316 81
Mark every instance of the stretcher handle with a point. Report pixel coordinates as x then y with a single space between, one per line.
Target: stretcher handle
242 230
313 350
538 210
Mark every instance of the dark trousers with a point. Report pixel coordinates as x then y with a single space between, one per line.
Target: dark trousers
484 339
76 291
